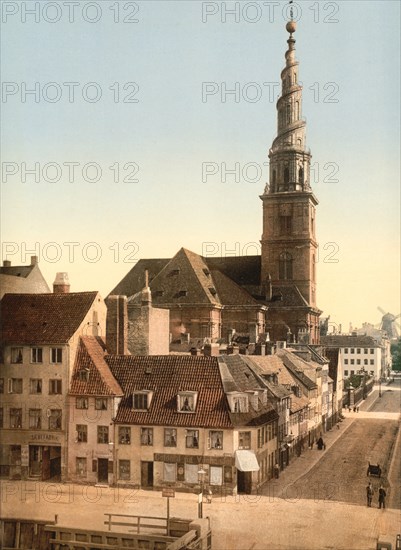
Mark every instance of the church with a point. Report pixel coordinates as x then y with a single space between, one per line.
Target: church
254 297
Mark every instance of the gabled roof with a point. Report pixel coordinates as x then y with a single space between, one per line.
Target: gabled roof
43 318
271 364
349 341
166 375
245 380
299 368
298 403
100 381
17 270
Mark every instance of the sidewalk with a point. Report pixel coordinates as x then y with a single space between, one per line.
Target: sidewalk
301 465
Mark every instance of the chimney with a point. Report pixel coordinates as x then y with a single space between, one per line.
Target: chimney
196 351
211 350
6 263
34 260
117 325
61 283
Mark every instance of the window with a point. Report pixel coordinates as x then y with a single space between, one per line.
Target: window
54 386
15 418
124 469
345 373
82 433
102 434
216 475
170 437
286 175
146 436
192 439
36 355
215 439
365 350
365 361
239 404
352 350
191 473
124 435
56 355
352 361
345 350
372 361
358 361
372 351
285 225
81 403
15 385
345 361
83 375
1 417
1 385
285 266
55 419
244 440
35 385
301 170
352 373
101 404
81 466
186 401
358 350
141 400
183 293
16 355
169 472
35 419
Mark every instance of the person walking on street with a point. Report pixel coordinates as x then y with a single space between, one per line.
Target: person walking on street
382 497
369 494
276 471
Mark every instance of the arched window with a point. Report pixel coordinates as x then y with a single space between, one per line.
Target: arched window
274 177
286 175
285 266
297 110
288 113
301 175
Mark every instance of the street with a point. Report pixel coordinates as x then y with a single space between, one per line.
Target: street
318 502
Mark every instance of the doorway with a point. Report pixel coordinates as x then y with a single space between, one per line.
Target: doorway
146 474
244 482
102 470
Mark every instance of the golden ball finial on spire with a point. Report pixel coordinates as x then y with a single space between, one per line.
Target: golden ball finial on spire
291 26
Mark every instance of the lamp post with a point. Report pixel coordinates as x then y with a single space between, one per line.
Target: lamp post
380 387
201 474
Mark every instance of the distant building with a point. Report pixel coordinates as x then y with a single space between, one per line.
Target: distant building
357 353
22 279
39 340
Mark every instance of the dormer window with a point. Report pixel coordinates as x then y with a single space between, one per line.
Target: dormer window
83 375
238 402
141 400
213 291
174 272
158 292
183 293
206 272
186 401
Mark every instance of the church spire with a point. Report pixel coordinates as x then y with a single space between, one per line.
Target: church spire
289 157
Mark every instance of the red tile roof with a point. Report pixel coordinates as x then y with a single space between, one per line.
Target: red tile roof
43 318
90 356
166 375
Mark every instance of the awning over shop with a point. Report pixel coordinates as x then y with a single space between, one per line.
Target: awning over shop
246 461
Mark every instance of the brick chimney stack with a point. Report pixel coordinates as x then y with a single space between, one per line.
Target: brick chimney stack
117 325
34 260
61 283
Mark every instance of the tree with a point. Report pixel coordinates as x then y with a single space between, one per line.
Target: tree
396 355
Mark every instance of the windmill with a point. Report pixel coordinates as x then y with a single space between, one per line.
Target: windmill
389 324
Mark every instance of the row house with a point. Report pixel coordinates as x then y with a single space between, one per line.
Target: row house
172 422
40 335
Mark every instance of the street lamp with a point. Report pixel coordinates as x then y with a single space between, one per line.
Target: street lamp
201 474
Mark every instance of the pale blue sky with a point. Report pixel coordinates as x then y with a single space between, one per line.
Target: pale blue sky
170 132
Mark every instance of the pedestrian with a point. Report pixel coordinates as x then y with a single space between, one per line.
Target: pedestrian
369 494
276 471
349 409
357 409
354 409
338 426
382 497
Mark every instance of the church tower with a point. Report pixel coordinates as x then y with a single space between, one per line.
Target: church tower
289 247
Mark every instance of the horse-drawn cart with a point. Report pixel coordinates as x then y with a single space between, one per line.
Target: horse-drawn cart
374 470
